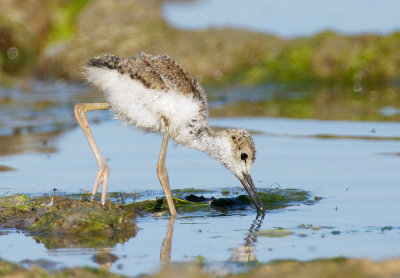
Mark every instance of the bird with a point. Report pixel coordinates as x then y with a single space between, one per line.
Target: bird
156 94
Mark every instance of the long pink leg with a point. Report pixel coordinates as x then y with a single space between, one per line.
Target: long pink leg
163 174
103 171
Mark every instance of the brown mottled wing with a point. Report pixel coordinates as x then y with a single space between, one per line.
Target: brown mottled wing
175 77
109 61
137 68
154 72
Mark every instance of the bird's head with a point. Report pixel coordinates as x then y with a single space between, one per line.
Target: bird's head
238 154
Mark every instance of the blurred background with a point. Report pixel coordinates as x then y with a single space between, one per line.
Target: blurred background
296 59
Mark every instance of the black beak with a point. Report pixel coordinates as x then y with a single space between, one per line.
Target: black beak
248 184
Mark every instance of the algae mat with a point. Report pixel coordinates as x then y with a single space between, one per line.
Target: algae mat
75 221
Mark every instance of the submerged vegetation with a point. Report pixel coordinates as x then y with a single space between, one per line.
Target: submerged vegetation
67 222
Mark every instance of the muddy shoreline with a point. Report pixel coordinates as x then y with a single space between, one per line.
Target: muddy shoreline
334 267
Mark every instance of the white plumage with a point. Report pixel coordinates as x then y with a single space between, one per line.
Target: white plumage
145 108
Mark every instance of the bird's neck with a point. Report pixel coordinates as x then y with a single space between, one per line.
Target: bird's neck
211 142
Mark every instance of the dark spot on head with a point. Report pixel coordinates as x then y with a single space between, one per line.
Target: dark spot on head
244 156
233 137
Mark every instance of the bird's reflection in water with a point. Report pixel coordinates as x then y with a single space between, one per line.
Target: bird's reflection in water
245 253
104 258
165 253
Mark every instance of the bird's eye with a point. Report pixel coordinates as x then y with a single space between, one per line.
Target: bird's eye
244 156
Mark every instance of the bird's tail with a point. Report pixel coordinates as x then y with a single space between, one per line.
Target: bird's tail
109 61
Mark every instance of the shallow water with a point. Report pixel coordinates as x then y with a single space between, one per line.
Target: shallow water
357 178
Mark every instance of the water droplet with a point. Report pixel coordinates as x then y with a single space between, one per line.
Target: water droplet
217 75
358 88
199 78
12 53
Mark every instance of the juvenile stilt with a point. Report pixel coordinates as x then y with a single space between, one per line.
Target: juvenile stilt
156 94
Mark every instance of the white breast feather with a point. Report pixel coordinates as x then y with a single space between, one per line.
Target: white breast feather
142 107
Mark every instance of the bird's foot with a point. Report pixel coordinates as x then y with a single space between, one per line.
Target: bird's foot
101 179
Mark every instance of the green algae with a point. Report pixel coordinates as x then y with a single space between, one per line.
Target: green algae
66 222
74 221
225 192
77 223
278 232
282 232
75 214
273 198
15 201
82 221
312 227
160 206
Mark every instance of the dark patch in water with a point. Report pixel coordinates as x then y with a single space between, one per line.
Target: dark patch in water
6 168
236 203
43 263
104 257
196 199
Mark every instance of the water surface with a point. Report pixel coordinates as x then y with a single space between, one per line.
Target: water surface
357 178
353 166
